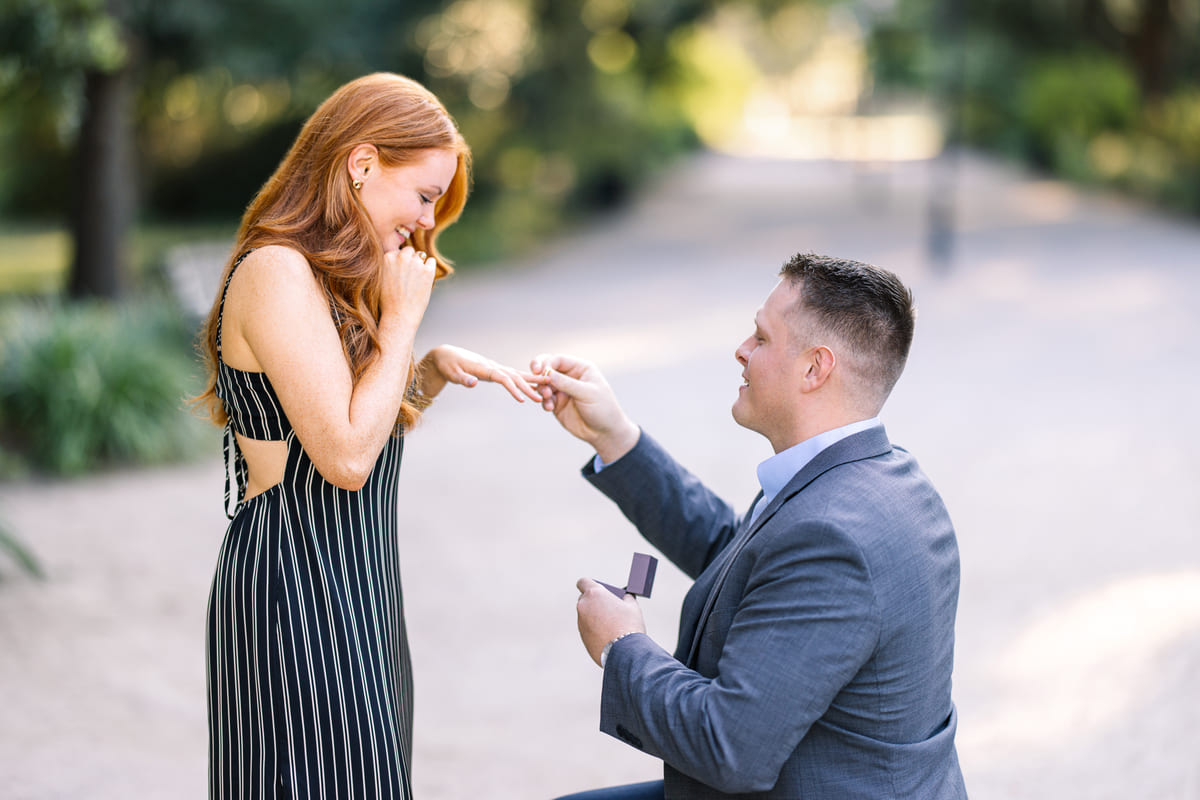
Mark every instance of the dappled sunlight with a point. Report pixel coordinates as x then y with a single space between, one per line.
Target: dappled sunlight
1081 668
806 98
895 137
486 43
194 106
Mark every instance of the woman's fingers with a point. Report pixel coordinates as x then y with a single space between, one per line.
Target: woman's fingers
520 385
471 368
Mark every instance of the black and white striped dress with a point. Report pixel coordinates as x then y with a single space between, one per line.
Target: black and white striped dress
309 677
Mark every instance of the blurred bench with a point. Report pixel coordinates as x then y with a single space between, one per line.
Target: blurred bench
193 272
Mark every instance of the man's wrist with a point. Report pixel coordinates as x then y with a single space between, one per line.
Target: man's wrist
608 648
611 448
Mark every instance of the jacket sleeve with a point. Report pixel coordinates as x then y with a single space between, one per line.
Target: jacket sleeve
805 625
668 505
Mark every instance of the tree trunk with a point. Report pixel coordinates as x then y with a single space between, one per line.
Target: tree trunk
1149 47
104 193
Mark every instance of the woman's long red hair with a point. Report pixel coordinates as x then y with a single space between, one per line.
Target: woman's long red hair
310 205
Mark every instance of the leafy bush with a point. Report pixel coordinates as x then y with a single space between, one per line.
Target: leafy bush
1177 121
1066 101
991 112
82 386
1057 85
1175 125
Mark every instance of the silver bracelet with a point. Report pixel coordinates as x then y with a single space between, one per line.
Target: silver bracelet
608 647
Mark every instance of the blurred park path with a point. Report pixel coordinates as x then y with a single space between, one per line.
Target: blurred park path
1051 396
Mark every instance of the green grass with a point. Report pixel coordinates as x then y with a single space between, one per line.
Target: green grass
33 259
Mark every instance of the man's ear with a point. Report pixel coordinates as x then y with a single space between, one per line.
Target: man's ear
821 363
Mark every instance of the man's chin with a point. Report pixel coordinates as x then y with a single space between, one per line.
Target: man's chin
739 413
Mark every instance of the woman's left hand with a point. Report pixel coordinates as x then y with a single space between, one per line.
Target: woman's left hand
449 364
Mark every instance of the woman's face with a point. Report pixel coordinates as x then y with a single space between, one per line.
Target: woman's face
400 200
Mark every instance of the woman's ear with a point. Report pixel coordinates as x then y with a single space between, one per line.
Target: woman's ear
362 158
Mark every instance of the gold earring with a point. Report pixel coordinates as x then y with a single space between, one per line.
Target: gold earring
357 184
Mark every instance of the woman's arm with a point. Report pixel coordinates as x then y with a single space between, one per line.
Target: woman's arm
449 364
278 322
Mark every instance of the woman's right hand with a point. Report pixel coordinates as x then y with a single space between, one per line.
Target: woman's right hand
407 283
277 310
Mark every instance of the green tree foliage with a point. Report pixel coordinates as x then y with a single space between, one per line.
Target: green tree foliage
69 62
566 102
566 105
1097 90
1074 98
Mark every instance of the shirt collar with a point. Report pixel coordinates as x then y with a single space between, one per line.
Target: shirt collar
776 471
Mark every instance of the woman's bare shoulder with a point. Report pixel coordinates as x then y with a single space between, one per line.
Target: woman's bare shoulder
275 286
274 271
274 262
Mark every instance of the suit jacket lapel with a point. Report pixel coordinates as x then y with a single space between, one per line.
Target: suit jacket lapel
697 607
870 443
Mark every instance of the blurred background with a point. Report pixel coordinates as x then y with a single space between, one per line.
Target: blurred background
1031 166
131 132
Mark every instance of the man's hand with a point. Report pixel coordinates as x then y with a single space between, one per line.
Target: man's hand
585 405
603 616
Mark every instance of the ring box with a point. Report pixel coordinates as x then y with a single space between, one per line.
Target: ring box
641 577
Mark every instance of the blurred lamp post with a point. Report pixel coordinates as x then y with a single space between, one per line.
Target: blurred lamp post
950 38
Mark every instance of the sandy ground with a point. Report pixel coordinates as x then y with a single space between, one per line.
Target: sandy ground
1051 395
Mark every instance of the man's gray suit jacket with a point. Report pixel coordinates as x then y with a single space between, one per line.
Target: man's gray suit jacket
816 644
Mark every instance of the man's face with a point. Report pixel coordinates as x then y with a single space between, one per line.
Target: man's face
773 368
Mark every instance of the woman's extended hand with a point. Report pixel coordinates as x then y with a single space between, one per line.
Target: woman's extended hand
449 364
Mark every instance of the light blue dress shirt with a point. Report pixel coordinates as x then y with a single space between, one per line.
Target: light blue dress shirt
776 471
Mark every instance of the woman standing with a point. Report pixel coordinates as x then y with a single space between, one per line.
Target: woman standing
309 346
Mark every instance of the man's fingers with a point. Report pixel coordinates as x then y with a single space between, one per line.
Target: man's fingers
576 389
558 363
562 379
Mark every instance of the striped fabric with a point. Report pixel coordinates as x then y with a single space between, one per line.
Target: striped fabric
309 677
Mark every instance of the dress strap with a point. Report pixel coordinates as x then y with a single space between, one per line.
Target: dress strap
225 291
238 467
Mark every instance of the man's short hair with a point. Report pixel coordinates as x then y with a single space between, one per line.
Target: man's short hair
865 309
